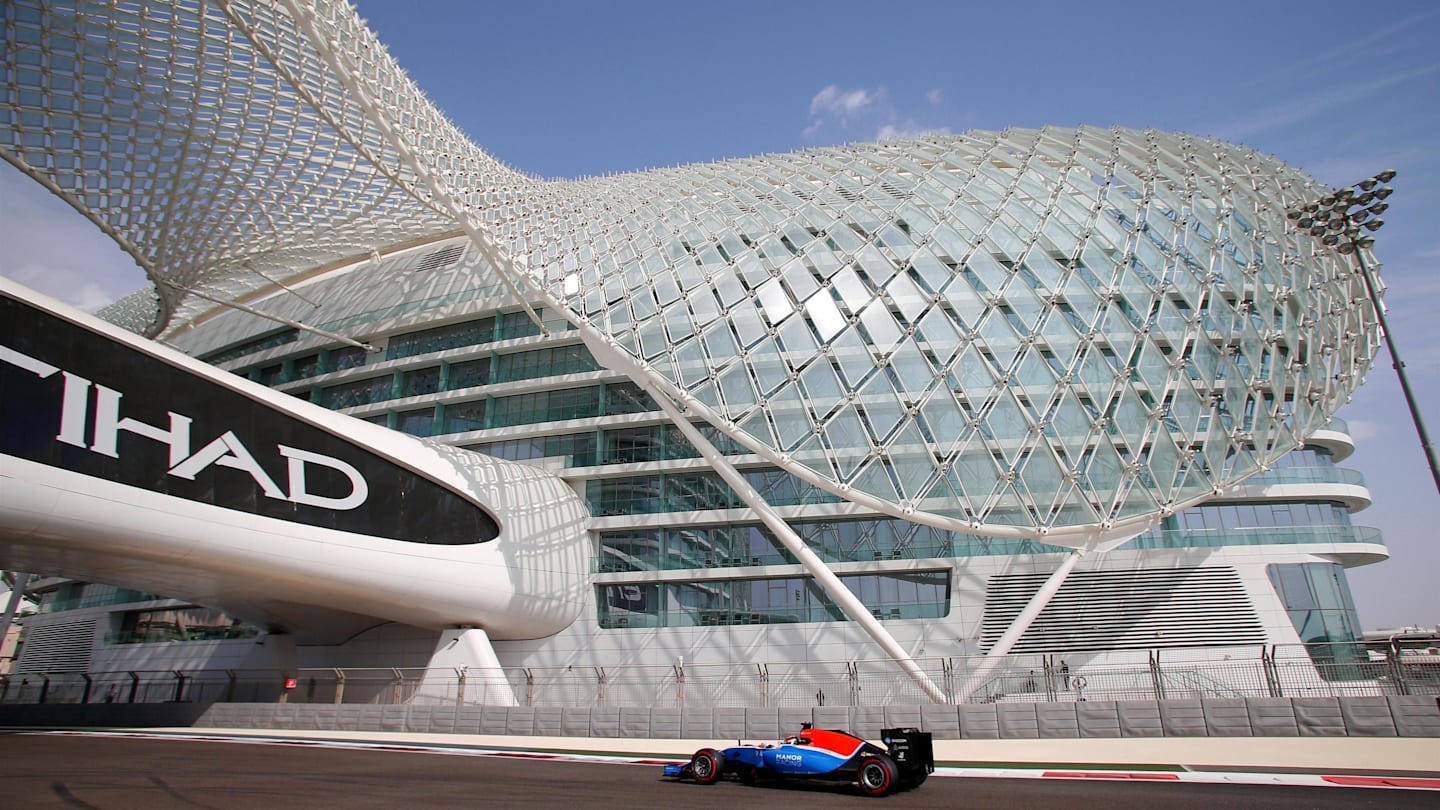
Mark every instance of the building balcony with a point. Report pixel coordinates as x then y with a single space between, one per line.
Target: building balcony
1320 483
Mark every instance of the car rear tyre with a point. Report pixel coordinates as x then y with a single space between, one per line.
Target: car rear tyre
706 765
876 775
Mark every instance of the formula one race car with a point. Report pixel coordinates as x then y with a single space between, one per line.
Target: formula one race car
819 755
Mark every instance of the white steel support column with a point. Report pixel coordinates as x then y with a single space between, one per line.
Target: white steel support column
17 592
1018 627
468 650
834 588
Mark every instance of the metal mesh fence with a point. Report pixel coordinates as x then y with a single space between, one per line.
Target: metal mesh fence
1313 671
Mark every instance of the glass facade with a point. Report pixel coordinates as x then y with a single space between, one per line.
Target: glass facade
777 600
1317 598
1034 333
179 624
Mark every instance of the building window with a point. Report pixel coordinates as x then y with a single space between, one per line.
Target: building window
420 382
551 361
467 374
356 392
343 358
454 336
1317 598
513 325
627 398
578 449
307 366
252 346
741 544
782 600
546 406
179 624
463 416
419 422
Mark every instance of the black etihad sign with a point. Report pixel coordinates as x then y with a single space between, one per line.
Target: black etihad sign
75 399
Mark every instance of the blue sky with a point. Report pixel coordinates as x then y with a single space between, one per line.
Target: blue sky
564 89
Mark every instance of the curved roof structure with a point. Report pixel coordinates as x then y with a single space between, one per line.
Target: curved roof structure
1059 332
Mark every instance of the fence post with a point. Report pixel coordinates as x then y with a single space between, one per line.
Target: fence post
529 687
853 672
947 669
134 686
680 683
179 685
397 688
1272 673
1157 677
764 671
460 673
339 685
1049 664
85 698
44 687
1397 668
601 680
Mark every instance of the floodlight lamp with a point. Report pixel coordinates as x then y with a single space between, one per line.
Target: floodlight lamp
1317 229
1306 222
1386 176
1360 216
1344 194
1328 201
1366 185
1312 207
1364 199
1365 241
1379 208
1330 239
1374 225
1346 248
1383 192
1294 215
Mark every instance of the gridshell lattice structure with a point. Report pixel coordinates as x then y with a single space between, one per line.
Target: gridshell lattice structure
1058 332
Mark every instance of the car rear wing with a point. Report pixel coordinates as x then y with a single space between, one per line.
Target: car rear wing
911 748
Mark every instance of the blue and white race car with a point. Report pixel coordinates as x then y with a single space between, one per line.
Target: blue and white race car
820 755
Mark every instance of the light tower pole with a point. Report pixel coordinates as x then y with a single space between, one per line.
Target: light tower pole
1338 220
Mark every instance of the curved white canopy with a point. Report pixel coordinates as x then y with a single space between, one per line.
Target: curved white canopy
1058 332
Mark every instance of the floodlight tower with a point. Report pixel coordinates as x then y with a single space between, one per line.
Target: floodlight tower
1343 220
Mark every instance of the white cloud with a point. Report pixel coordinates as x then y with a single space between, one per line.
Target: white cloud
53 250
863 113
908 129
846 103
1283 115
65 284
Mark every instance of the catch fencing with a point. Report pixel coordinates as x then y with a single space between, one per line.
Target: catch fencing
1314 671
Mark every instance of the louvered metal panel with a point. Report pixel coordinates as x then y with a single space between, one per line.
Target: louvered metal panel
58 647
1126 610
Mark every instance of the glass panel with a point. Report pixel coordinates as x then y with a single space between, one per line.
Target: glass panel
462 416
419 422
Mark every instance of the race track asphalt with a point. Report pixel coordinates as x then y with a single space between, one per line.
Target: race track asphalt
42 771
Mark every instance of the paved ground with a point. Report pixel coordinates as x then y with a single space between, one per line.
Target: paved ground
156 774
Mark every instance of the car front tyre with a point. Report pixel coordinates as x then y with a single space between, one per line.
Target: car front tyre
876 776
706 765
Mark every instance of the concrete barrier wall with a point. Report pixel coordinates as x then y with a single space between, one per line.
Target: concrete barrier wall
1221 717
1217 717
